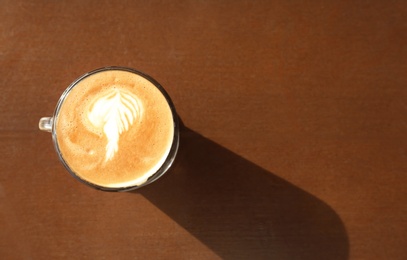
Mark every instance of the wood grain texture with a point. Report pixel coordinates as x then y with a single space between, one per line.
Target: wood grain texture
295 141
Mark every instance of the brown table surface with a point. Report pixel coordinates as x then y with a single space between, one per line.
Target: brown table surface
294 145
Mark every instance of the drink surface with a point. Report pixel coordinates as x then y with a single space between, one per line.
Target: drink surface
114 129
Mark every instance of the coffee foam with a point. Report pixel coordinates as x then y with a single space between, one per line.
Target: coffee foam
115 129
114 111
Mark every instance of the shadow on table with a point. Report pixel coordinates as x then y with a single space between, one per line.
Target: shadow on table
242 211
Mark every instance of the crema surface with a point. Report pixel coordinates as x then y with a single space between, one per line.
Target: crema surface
115 129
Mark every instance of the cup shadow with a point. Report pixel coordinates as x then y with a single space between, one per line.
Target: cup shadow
241 211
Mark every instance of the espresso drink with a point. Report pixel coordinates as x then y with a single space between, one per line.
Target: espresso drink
114 128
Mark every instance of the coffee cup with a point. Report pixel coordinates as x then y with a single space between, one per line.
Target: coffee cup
114 129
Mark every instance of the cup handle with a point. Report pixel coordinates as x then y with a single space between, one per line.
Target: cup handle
45 124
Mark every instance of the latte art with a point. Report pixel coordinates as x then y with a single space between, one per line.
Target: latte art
114 112
115 129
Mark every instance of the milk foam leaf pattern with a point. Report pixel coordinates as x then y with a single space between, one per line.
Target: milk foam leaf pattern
115 112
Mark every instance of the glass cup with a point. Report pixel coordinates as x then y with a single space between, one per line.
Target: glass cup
52 125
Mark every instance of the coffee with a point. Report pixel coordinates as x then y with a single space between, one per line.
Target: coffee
114 128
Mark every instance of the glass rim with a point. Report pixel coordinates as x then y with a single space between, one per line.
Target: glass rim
175 141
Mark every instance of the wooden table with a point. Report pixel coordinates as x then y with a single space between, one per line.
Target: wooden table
294 144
